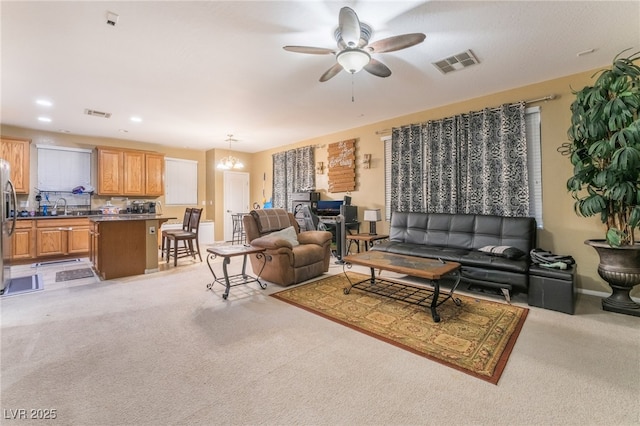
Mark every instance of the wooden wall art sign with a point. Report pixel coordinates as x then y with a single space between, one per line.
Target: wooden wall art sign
342 166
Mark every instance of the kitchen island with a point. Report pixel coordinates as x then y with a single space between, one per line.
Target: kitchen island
124 244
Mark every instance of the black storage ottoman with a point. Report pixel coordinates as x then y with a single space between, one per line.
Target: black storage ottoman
552 288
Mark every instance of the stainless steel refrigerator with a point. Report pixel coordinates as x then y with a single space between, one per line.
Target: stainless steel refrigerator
8 213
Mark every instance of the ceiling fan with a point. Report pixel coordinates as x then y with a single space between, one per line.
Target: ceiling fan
355 51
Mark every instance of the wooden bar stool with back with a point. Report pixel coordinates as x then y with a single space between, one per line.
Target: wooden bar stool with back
187 237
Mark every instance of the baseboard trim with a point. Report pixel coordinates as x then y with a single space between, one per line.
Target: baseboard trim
602 294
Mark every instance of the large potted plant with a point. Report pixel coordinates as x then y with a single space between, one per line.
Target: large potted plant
605 153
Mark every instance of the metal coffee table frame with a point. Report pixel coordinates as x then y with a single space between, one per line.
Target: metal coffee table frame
432 270
227 252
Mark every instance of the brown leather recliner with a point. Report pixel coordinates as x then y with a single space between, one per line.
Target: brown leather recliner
286 262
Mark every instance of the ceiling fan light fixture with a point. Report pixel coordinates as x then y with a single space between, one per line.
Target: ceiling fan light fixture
353 60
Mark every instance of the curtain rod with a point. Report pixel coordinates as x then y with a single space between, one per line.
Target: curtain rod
531 101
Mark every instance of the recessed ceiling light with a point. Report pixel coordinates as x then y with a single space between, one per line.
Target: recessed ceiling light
44 119
136 119
44 102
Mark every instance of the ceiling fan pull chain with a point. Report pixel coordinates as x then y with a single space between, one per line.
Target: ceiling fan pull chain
352 90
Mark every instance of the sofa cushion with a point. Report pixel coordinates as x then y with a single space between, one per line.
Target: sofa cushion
503 251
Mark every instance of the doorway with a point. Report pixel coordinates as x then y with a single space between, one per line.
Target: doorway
236 198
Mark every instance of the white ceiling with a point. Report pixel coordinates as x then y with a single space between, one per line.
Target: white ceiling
197 71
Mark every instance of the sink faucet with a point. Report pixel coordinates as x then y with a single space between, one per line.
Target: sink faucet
55 205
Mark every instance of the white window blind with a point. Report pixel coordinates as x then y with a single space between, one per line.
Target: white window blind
387 177
534 162
63 168
181 183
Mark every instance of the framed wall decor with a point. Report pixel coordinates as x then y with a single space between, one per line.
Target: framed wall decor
341 166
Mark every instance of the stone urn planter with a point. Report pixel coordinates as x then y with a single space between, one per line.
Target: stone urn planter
620 268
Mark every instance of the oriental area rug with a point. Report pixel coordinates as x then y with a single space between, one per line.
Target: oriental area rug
476 337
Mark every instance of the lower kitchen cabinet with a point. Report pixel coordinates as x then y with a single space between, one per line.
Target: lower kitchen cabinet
62 237
23 242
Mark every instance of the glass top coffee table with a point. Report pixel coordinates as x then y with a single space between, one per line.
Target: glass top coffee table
227 252
431 269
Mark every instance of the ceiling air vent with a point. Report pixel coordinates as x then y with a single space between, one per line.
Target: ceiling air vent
457 62
95 113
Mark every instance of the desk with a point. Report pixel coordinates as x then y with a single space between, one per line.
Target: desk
227 252
367 238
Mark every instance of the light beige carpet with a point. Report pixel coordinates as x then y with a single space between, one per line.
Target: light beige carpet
476 337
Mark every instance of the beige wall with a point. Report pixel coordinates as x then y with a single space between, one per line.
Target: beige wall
563 231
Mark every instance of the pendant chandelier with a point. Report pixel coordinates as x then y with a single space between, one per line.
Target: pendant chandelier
230 162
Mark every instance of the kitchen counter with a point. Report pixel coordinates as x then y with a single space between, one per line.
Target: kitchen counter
101 217
127 217
125 244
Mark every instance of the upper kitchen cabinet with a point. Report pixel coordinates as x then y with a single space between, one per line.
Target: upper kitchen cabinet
16 152
154 184
110 171
130 172
134 173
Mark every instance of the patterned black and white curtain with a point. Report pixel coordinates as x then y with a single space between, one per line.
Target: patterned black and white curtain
471 163
293 171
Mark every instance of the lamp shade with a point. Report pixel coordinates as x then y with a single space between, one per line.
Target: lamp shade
372 215
353 60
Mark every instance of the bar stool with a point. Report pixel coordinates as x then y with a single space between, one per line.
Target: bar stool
187 238
185 227
238 236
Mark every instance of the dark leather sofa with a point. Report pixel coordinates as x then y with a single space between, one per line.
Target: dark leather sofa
460 238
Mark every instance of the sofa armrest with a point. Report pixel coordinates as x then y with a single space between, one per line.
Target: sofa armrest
314 237
271 243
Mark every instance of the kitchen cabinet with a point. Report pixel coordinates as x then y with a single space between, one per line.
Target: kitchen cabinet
154 183
16 152
134 173
122 247
62 237
130 172
110 171
23 243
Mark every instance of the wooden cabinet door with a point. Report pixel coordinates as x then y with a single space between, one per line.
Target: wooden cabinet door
78 240
16 152
51 242
110 172
23 246
134 173
154 164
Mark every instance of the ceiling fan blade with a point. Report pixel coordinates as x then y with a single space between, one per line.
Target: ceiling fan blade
377 68
394 43
308 49
331 72
349 25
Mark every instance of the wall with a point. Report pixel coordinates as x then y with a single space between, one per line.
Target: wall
62 139
563 231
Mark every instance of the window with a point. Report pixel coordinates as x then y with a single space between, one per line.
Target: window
534 161
181 183
62 168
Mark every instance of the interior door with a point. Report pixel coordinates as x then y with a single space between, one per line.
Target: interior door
236 198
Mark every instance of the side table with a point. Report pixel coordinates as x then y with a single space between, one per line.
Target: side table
227 252
368 240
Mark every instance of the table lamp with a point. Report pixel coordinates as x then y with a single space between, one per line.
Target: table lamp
372 216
